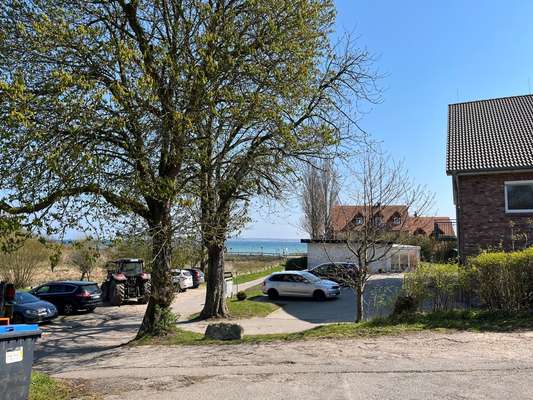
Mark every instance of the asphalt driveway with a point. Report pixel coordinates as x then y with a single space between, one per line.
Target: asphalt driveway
299 314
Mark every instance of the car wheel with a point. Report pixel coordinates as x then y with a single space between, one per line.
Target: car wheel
319 295
105 291
17 319
67 309
273 294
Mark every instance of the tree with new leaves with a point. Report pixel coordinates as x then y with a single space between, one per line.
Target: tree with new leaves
278 97
377 183
97 102
85 255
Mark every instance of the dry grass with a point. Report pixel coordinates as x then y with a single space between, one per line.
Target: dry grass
249 264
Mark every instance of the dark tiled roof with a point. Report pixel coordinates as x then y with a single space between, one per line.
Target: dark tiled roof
490 135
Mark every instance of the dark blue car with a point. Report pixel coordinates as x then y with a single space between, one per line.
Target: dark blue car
29 309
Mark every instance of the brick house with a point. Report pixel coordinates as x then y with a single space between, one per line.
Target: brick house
490 160
347 218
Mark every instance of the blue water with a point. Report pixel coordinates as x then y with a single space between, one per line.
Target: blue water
285 246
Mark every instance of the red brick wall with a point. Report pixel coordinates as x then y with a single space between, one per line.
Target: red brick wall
481 215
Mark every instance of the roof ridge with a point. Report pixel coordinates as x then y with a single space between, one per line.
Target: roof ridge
490 99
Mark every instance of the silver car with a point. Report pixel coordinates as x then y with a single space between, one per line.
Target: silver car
300 284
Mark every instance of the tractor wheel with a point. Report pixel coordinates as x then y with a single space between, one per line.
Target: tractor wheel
105 291
117 294
147 288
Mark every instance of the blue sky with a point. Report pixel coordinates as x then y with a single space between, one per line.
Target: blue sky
432 53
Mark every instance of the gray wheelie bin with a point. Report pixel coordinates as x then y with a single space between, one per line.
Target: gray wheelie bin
16 360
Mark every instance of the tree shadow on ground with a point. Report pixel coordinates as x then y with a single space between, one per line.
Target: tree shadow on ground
82 339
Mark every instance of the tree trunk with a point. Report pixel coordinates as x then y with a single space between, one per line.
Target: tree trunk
215 298
162 291
359 297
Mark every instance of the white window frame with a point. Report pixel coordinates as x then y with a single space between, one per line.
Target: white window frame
396 220
511 183
359 220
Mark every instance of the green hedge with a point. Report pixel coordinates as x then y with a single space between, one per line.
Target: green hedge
435 285
504 281
296 264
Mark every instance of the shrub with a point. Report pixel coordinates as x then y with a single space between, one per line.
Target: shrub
504 281
19 266
436 284
296 264
241 296
404 305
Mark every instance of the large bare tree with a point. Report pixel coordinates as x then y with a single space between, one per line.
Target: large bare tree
386 204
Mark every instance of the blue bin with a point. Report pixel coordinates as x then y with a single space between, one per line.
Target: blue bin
16 360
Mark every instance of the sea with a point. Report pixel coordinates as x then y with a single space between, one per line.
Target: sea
266 246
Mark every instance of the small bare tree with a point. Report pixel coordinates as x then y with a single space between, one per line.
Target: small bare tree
388 202
320 191
85 257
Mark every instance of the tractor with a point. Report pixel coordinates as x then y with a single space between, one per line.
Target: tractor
126 280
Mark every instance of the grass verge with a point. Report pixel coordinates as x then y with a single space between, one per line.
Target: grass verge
477 321
252 306
44 387
239 279
249 308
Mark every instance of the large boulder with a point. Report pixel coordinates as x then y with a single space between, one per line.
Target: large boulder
224 331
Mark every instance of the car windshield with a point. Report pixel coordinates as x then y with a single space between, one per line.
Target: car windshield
24 298
132 268
310 277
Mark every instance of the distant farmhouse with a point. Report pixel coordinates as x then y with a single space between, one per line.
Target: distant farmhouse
346 219
490 159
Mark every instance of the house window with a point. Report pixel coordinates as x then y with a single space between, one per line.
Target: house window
396 220
358 220
519 197
378 220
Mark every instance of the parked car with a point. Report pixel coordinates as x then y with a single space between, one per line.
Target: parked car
70 296
28 309
198 277
339 272
301 284
182 279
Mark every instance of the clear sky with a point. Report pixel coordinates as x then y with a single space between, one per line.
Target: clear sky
432 53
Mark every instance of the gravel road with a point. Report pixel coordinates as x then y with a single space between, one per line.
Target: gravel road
417 366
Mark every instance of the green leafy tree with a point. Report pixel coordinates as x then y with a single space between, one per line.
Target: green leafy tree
277 96
96 104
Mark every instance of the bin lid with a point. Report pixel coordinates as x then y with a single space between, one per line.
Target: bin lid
32 328
19 330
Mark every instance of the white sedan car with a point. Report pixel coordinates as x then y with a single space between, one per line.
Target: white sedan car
299 284
182 279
